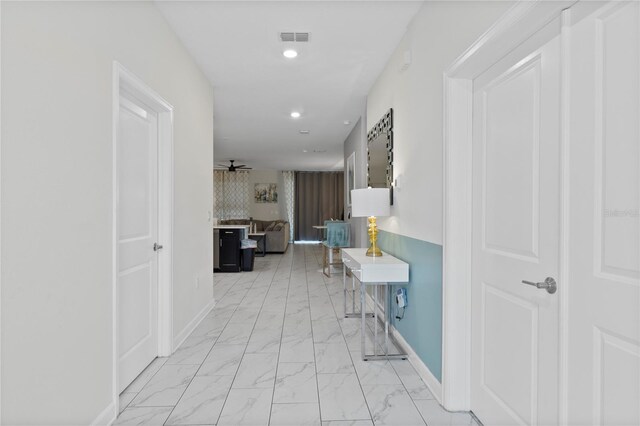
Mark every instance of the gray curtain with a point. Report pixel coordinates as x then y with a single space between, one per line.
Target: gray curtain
319 197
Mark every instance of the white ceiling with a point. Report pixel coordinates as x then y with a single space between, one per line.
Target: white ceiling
237 45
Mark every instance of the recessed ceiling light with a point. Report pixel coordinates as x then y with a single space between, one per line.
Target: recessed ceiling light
347 122
304 132
290 53
305 150
295 114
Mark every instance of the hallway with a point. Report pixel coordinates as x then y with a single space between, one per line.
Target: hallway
276 351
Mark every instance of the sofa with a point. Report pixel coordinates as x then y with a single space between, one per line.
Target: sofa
276 232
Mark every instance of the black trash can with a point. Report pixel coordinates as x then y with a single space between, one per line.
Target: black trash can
248 249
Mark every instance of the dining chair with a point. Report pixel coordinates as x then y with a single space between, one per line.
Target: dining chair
338 237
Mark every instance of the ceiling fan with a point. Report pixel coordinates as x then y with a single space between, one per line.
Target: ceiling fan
232 168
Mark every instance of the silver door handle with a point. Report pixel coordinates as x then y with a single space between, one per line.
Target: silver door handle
548 284
157 246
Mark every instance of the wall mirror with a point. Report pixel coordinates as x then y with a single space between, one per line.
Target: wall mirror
380 154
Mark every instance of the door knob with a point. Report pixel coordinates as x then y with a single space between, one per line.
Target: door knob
157 246
548 284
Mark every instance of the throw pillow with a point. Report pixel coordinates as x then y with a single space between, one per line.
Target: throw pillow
270 227
278 227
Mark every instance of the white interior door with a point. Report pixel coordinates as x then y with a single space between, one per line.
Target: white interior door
604 265
137 283
515 235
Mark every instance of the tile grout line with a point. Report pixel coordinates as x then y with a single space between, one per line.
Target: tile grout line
355 372
224 404
350 356
210 349
313 343
275 378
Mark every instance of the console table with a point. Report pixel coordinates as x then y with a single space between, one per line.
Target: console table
384 271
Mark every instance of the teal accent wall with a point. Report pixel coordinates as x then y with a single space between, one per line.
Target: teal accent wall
421 326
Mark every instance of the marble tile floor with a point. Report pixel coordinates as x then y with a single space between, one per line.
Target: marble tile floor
276 351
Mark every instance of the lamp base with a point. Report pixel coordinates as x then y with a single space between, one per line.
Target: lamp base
374 250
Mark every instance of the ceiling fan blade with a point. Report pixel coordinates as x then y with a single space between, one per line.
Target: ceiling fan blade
245 168
222 165
240 166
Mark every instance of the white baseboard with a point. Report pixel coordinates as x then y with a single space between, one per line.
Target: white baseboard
421 368
423 371
107 416
182 336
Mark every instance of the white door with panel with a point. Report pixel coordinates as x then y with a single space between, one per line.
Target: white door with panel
137 281
517 369
515 235
604 220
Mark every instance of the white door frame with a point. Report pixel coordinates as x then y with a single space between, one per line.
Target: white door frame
124 79
0 218
509 31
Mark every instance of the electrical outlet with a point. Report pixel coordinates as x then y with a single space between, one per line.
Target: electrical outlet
197 281
401 298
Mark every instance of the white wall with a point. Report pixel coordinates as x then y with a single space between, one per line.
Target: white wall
439 33
356 143
266 211
57 195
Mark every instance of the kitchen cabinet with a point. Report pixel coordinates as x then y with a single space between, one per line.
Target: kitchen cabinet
226 247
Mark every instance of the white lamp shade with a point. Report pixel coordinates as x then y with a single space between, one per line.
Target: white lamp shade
370 202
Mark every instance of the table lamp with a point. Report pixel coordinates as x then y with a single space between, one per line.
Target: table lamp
371 203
